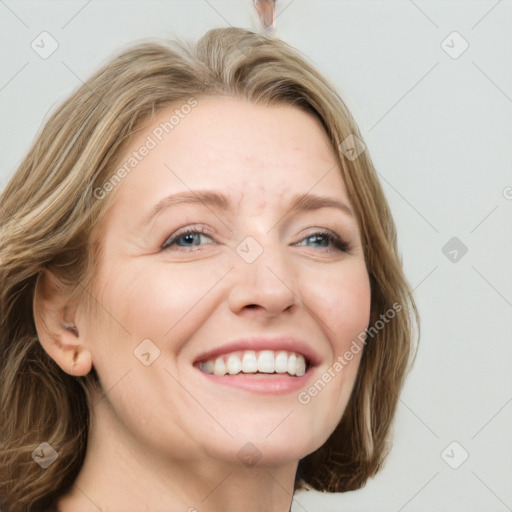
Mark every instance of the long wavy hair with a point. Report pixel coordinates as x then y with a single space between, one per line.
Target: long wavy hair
49 208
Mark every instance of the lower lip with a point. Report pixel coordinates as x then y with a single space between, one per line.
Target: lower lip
272 384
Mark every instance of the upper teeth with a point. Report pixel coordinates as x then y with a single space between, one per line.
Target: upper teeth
249 361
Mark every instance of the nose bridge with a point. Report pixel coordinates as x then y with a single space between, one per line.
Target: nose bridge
260 255
263 276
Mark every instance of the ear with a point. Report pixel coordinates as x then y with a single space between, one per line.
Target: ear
58 333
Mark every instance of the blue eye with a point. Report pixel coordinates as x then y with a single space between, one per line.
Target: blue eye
318 240
191 239
324 240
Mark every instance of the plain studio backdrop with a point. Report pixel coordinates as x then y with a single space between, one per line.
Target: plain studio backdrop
430 85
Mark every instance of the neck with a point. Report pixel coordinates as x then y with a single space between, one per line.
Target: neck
120 474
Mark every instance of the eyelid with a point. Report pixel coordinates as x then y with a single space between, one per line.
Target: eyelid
185 230
339 242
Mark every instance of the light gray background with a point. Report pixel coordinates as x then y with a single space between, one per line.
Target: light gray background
439 132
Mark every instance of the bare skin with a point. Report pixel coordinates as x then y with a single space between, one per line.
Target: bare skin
165 436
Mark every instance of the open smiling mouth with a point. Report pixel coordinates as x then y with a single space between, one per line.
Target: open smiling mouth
256 363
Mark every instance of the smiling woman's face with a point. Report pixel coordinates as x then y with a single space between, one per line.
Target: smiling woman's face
253 253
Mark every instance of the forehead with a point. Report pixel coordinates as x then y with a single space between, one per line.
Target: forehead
255 153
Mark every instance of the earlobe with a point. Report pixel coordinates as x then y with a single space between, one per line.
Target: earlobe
81 363
56 327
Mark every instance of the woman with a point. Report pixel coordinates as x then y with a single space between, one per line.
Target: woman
202 304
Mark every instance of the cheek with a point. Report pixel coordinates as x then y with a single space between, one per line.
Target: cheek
173 298
341 304
159 302
155 295
341 300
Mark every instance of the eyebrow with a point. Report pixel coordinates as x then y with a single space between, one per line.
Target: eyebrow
300 202
303 202
204 197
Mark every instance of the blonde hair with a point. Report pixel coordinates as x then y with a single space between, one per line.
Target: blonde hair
49 209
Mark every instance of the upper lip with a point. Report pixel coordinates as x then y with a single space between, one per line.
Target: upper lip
258 343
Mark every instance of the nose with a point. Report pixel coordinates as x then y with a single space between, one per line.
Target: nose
266 287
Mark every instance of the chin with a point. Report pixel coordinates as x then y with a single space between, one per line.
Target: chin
251 448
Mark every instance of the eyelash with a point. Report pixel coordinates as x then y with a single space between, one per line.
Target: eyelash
195 231
333 238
